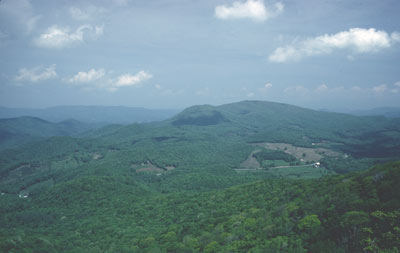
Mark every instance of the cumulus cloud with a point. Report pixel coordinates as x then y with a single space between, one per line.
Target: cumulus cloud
268 85
357 40
251 9
265 87
60 37
100 79
131 80
36 74
321 88
86 77
380 88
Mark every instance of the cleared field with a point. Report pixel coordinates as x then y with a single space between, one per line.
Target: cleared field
274 163
251 162
304 154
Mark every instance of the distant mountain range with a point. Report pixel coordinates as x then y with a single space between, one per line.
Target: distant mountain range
91 114
389 112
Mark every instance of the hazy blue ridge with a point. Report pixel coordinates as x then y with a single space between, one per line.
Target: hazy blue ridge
92 114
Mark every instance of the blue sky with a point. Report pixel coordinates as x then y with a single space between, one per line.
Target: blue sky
333 54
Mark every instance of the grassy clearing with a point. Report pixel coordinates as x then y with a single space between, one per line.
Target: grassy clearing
306 154
274 163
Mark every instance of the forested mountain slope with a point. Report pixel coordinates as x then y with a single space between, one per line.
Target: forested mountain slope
250 176
17 131
357 212
211 140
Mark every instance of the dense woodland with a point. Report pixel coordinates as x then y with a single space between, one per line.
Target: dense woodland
244 177
353 213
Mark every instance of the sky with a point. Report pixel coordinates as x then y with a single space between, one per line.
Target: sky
321 54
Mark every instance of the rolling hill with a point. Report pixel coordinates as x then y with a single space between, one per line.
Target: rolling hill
211 140
248 176
17 131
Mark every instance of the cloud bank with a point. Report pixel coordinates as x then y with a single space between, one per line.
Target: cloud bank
251 9
357 40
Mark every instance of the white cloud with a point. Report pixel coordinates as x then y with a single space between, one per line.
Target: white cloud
380 88
158 87
78 14
131 80
267 85
358 40
87 13
397 84
395 36
284 54
250 94
356 88
86 77
60 37
322 88
36 74
101 79
264 89
252 9
99 30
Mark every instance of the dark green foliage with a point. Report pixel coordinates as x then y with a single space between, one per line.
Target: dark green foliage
355 213
199 118
17 131
171 186
273 155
